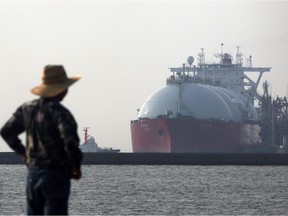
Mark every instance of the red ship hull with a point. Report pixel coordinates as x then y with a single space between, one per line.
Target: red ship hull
191 135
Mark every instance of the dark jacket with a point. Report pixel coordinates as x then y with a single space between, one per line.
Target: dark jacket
51 134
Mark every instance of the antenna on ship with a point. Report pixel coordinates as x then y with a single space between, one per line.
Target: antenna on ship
249 61
85 134
201 57
222 53
239 56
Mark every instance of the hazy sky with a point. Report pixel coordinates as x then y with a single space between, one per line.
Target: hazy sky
123 49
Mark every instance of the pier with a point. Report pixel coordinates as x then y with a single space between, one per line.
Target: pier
258 159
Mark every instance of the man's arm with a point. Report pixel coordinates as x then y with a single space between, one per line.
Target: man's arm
75 156
10 131
68 132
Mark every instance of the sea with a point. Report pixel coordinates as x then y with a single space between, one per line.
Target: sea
162 190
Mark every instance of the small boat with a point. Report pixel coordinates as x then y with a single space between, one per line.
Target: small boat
90 145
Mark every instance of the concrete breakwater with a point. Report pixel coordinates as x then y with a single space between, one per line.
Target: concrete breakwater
170 158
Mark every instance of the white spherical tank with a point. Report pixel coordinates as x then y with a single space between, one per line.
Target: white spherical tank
197 101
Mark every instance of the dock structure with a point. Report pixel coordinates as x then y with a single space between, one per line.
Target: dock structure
258 159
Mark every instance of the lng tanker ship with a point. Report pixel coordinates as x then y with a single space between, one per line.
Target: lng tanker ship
204 108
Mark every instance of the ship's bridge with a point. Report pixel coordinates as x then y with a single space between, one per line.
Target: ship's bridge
224 73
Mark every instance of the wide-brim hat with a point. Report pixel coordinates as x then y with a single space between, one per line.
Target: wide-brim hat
54 81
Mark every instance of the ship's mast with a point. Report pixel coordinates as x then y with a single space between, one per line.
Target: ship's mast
249 62
86 134
239 56
201 57
222 53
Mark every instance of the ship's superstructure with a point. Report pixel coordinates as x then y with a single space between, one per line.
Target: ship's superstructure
208 107
225 74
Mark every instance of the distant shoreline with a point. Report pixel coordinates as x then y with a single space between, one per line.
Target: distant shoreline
259 159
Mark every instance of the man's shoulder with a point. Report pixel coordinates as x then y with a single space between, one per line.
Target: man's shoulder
57 106
29 104
57 109
40 103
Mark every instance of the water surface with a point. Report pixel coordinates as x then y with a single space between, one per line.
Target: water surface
163 190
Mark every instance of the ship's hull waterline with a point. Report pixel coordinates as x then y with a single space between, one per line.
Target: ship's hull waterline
178 135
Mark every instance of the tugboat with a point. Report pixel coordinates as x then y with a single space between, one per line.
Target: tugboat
90 145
